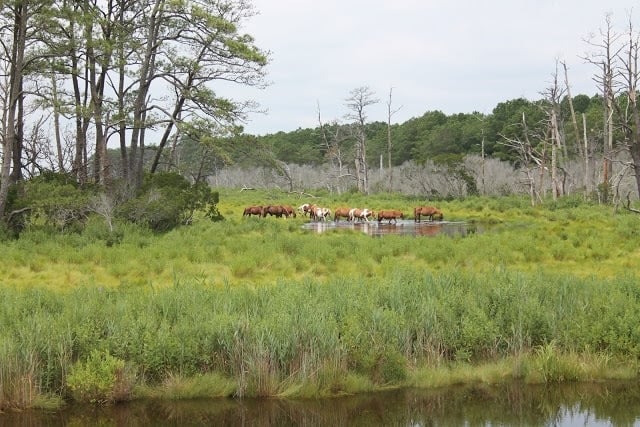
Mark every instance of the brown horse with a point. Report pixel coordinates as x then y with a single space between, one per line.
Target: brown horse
252 210
427 211
390 214
289 211
341 213
272 210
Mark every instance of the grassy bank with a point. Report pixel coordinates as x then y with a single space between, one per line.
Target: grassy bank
260 307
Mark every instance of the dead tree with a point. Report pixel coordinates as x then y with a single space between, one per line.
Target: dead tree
630 117
530 158
332 142
358 101
390 113
604 57
553 96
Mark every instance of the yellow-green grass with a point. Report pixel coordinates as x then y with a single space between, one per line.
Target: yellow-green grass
582 240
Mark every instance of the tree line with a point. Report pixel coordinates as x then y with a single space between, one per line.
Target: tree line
556 144
80 77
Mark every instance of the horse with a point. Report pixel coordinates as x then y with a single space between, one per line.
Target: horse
320 214
427 211
288 210
304 209
360 214
341 212
277 211
390 214
252 210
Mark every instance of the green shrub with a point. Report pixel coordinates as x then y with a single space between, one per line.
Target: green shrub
53 200
100 379
167 200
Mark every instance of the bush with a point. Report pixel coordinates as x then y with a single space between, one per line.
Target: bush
168 200
100 379
54 200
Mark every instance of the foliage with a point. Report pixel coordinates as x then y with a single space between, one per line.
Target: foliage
52 199
167 200
101 378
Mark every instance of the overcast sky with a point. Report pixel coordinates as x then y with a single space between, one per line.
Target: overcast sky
453 56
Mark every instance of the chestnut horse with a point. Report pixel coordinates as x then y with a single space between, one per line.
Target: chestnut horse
391 214
274 210
427 211
289 211
341 212
252 210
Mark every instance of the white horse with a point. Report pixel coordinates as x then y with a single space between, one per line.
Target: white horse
321 214
304 209
360 214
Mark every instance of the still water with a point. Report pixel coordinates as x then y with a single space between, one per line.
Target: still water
402 227
602 404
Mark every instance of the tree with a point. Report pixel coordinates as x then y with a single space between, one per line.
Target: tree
209 48
529 156
630 117
16 30
604 57
333 139
553 95
390 113
358 101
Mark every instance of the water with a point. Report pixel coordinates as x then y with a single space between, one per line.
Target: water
402 227
601 404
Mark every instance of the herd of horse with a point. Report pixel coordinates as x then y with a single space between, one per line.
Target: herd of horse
319 213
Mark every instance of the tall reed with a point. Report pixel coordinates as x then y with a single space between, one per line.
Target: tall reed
315 334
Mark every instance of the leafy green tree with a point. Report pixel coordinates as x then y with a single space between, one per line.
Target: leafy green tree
301 146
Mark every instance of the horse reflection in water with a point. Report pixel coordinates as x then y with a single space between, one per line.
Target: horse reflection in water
429 230
322 227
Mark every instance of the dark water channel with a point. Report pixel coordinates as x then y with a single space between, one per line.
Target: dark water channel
402 227
610 404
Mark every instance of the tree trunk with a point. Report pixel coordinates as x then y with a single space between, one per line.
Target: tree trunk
10 142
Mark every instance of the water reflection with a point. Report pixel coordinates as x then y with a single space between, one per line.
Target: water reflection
403 227
509 405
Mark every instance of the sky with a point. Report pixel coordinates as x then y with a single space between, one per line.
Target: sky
453 56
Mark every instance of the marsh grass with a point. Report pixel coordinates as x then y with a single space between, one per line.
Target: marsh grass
176 387
260 307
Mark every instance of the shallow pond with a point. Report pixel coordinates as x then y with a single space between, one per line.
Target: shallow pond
402 227
601 404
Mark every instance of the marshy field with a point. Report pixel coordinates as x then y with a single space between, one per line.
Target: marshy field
262 307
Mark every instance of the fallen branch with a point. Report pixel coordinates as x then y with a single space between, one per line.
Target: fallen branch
303 194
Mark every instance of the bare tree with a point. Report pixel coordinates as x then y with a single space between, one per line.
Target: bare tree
390 113
530 158
604 57
553 95
630 117
358 101
333 138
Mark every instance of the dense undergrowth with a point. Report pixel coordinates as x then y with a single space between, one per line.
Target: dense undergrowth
260 307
